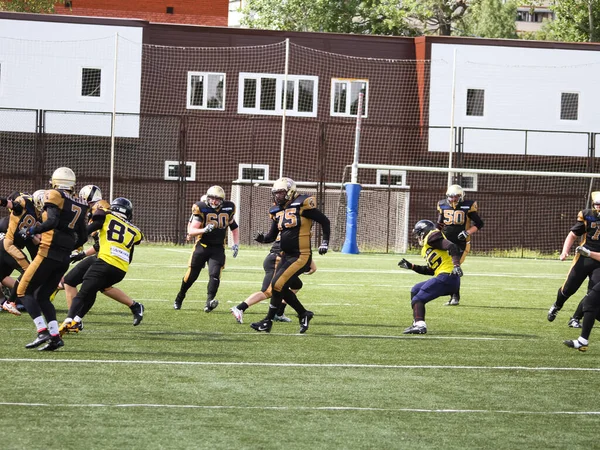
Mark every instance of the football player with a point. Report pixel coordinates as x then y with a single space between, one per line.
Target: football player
586 230
443 262
25 213
117 238
292 218
208 225
93 195
269 264
63 229
459 220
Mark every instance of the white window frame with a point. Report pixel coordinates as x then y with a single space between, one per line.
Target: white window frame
279 81
87 98
190 164
396 173
474 177
241 168
348 82
204 104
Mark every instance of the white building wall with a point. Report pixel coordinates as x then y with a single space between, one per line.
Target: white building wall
523 88
40 68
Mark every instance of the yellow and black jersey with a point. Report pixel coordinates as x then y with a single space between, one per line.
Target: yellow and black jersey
117 237
23 215
63 225
588 227
453 220
438 259
221 218
293 222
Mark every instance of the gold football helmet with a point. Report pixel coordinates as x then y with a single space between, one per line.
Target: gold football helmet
38 199
63 178
283 191
90 193
215 196
455 195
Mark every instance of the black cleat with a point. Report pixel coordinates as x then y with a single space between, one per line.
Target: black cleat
138 313
210 305
552 312
264 325
577 345
304 320
574 323
42 337
54 343
177 304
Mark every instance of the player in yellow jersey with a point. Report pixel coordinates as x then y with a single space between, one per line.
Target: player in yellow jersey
443 262
117 238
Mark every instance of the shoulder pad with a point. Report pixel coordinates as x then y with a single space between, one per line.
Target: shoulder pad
53 196
197 207
227 206
274 209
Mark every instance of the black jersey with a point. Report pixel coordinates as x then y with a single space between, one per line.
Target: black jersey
588 227
221 218
453 220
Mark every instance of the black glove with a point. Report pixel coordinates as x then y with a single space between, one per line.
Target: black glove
260 238
463 235
457 271
26 233
405 264
323 247
77 257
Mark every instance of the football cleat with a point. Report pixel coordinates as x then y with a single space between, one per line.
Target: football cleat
574 323
416 328
264 325
11 308
304 320
42 337
6 291
552 312
210 305
577 345
71 327
177 304
138 313
454 299
238 314
54 343
281 318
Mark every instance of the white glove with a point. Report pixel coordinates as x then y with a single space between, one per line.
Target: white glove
235 248
583 251
208 228
463 235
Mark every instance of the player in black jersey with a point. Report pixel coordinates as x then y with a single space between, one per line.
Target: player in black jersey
459 220
587 230
208 225
292 219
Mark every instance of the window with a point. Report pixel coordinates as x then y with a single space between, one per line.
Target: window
206 90
344 97
569 105
173 171
475 102
91 80
468 181
170 10
251 172
265 94
391 177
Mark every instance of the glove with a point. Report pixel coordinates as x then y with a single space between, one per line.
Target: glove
457 271
235 248
323 247
77 257
26 233
583 251
208 228
463 235
260 238
405 264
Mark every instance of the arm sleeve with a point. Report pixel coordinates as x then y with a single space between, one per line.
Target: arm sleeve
476 220
423 270
233 225
96 223
52 220
272 234
450 247
318 216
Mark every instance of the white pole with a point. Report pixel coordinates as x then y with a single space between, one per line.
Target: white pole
452 105
113 121
354 177
285 80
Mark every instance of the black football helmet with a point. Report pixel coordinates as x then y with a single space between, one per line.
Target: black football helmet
422 228
122 207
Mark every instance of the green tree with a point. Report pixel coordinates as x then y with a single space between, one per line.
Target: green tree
30 6
575 21
491 19
437 16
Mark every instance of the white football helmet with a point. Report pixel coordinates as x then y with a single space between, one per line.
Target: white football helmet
455 195
215 196
38 199
596 200
63 178
203 198
283 190
90 193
